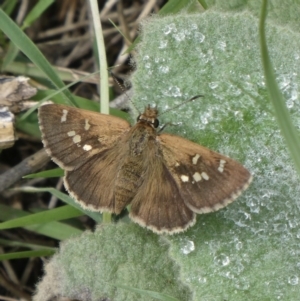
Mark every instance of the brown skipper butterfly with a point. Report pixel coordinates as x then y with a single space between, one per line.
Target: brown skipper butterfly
165 178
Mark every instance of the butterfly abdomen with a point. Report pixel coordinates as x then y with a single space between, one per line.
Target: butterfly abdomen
131 172
128 181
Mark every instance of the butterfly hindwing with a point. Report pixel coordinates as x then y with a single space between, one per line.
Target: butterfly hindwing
207 180
93 183
71 135
158 203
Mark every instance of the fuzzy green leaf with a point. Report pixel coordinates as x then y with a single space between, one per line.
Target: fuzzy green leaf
96 265
243 248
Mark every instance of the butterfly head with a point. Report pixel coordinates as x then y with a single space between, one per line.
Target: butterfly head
149 116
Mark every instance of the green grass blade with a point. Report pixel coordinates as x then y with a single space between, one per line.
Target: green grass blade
46 216
26 254
22 244
7 213
10 55
203 3
101 54
281 112
9 5
20 39
96 216
56 230
52 173
33 15
36 12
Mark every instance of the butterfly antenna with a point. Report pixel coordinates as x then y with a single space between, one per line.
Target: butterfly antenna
181 104
122 88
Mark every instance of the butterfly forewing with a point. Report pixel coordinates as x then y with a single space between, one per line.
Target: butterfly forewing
208 181
72 135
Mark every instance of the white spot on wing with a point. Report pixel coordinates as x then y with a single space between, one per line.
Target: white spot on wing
64 116
71 133
221 166
87 147
195 159
205 176
184 178
76 139
87 125
177 164
197 177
